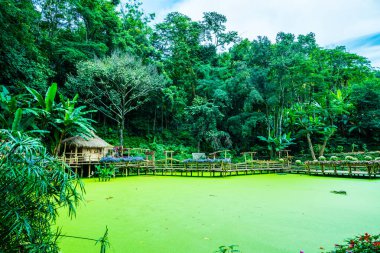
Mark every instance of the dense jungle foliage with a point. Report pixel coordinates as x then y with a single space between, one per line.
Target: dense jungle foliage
183 82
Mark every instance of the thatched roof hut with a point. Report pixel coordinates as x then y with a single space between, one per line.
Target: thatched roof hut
92 149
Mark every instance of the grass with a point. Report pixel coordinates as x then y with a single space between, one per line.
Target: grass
260 213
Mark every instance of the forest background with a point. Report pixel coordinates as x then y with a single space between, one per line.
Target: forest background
186 85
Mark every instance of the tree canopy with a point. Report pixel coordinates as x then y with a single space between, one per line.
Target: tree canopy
256 94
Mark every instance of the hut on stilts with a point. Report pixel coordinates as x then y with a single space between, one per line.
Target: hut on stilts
79 152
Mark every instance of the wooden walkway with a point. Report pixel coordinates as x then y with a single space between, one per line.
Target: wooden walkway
172 167
217 169
360 169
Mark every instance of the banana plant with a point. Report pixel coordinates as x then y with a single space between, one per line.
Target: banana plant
8 106
15 115
61 118
46 103
46 115
17 120
277 143
71 121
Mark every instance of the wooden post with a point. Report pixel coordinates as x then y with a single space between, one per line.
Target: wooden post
64 150
89 170
369 170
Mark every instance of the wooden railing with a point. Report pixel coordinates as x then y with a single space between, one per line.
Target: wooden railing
344 168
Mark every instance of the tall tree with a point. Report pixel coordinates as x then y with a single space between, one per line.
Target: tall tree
116 85
214 30
136 33
178 39
204 117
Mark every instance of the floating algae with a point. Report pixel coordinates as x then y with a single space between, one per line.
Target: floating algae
339 192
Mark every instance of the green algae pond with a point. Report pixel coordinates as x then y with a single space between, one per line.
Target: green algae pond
260 213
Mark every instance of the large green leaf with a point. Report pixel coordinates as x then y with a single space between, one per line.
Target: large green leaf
37 96
17 120
50 96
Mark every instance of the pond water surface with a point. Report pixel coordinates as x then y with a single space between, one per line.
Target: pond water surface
260 213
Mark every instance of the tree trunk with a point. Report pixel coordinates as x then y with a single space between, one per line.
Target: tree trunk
310 146
272 152
162 119
58 146
193 89
280 123
122 121
121 133
154 121
322 149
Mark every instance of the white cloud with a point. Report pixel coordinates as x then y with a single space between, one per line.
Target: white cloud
372 53
331 20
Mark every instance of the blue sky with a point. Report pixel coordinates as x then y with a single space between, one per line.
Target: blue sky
353 23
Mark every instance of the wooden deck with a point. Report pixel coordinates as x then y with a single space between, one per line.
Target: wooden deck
362 169
85 167
173 167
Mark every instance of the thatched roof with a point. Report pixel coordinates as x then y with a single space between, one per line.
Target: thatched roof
94 142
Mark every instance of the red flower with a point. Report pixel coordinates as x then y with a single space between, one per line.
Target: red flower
376 244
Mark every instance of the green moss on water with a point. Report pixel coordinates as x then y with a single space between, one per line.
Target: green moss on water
260 213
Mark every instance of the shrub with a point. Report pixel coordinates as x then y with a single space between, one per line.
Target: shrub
368 157
349 158
364 243
105 173
298 162
333 158
339 149
322 158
